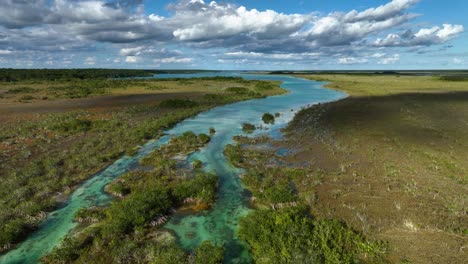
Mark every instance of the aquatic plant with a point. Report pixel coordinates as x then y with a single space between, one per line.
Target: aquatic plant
268 118
247 127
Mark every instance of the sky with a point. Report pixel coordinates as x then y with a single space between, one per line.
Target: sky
234 34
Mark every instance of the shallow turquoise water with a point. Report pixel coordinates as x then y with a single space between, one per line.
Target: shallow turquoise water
218 224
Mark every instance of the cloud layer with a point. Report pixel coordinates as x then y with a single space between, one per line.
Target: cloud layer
33 31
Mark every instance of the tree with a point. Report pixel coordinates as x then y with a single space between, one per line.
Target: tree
208 253
268 118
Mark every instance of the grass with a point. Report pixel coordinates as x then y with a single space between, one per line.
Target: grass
376 85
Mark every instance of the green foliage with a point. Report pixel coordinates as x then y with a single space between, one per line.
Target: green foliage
178 103
137 210
156 87
214 97
247 127
268 118
197 164
185 143
84 88
208 253
118 188
10 75
290 236
27 98
69 250
271 186
203 187
263 85
233 153
454 78
14 230
95 213
18 90
279 194
171 254
73 125
212 131
237 90
203 139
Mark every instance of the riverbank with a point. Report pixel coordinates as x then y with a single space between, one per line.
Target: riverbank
50 145
389 162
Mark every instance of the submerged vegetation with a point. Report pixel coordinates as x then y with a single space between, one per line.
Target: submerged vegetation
291 236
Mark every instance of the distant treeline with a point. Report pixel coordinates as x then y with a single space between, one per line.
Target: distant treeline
11 75
445 73
454 78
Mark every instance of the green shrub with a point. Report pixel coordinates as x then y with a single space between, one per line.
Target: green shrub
169 254
92 212
212 131
207 253
215 97
237 90
203 186
263 85
68 250
279 193
118 188
21 90
156 87
203 138
137 210
233 153
197 164
247 127
290 236
178 103
268 118
13 231
27 98
73 125
454 78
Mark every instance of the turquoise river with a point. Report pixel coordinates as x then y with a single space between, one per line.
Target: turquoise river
219 224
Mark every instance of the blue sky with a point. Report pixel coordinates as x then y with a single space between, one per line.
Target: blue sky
234 35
